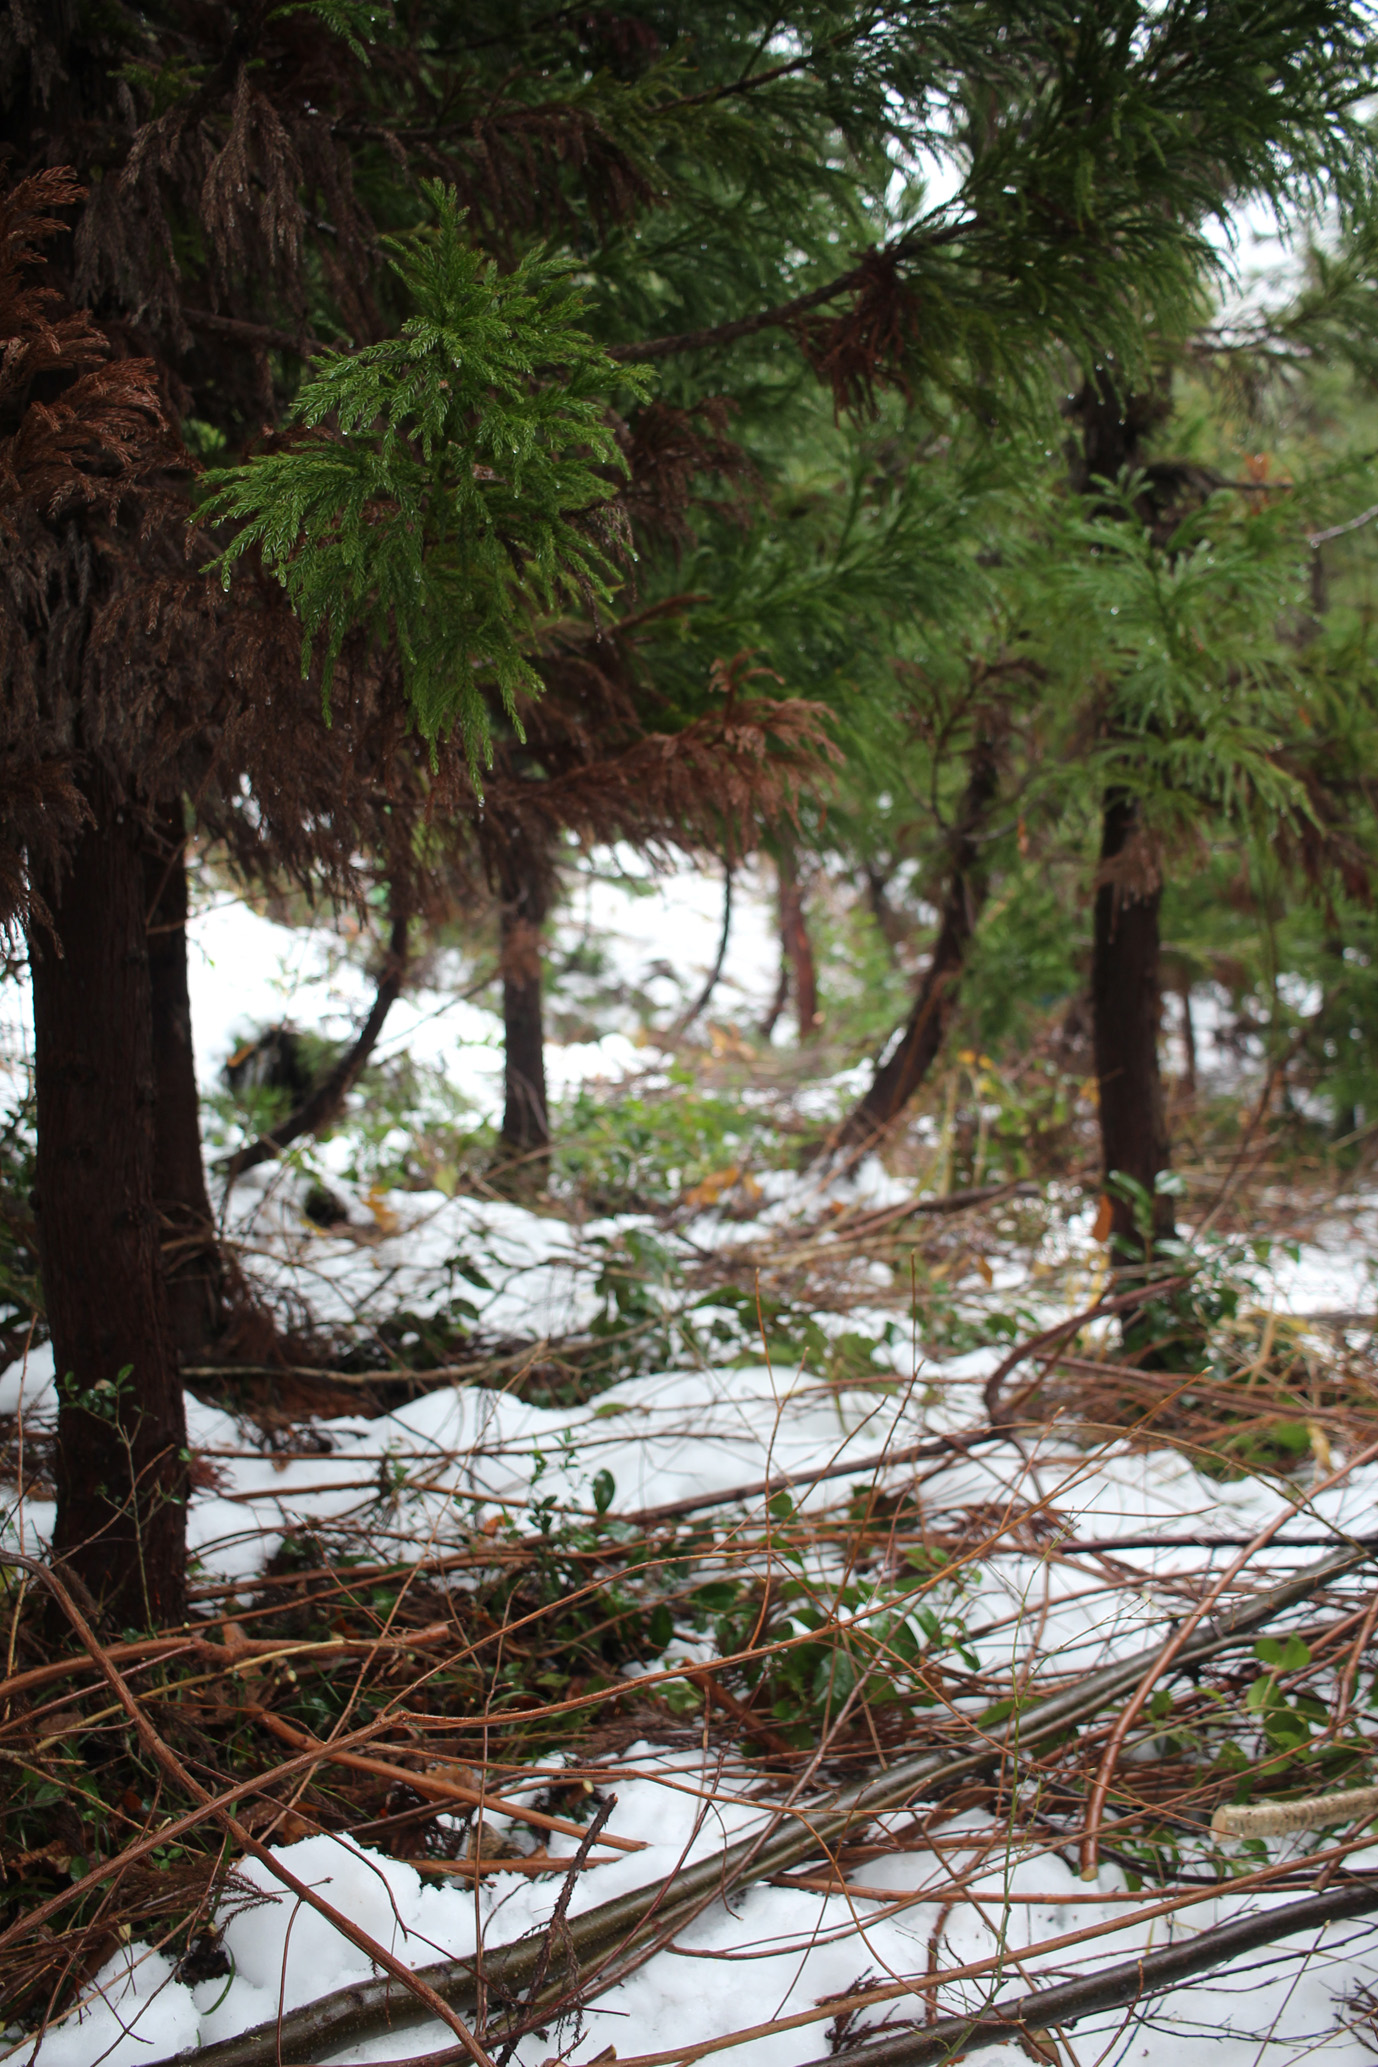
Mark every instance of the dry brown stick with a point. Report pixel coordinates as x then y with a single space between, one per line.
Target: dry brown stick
519 2026
739 1712
1052 1338
366 2009
844 1234
164 1649
168 1761
781 1481
475 1869
437 1786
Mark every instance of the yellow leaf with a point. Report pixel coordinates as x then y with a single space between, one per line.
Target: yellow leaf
384 1218
1104 1216
712 1187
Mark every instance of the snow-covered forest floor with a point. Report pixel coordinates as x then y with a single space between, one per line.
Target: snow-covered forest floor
674 1502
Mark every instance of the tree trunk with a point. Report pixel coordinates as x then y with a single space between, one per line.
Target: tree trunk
192 1265
686 1019
899 1077
1188 1038
891 925
121 1441
1127 1003
768 1025
794 939
525 1120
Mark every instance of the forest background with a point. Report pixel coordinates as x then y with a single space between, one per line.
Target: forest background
914 465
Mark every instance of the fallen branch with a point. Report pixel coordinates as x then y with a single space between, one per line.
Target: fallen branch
1280 1818
783 1481
1114 1988
369 2009
1053 1338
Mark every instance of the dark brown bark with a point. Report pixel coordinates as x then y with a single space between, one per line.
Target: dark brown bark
121 1452
1126 980
899 1077
524 901
894 928
192 1266
1127 1004
324 1102
1188 1038
797 947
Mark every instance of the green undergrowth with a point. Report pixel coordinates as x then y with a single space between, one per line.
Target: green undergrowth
571 1635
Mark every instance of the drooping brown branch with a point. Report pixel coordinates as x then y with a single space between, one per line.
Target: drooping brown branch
322 1105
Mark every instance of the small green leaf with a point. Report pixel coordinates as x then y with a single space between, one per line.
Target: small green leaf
1289 1655
604 1490
998 1712
782 1507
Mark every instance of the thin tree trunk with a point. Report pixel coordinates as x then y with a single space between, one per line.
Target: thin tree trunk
320 1107
794 939
192 1264
777 1003
1127 1003
121 1439
891 924
714 976
526 1119
899 1077
1346 1118
1188 1038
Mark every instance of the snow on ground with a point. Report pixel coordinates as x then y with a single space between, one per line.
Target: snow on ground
421 1474
771 1951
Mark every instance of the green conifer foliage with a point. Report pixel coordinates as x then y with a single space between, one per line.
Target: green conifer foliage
441 485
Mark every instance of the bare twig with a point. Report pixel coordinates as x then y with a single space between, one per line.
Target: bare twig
437 1786
1174 1646
369 2009
168 1761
